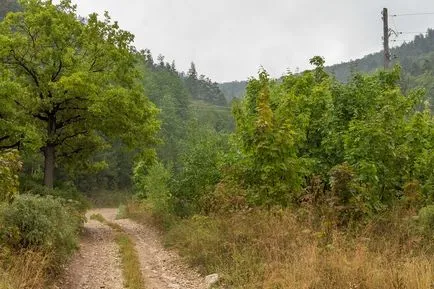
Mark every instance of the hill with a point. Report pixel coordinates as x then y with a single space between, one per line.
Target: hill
415 57
233 89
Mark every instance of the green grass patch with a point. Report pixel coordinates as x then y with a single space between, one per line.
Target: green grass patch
122 212
100 218
130 262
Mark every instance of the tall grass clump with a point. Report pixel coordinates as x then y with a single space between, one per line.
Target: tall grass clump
37 236
282 249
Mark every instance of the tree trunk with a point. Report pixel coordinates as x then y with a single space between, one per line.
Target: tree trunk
50 152
49 163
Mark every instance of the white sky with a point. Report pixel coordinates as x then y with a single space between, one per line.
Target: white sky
230 39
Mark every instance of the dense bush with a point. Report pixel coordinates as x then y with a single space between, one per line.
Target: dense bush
307 125
199 172
44 224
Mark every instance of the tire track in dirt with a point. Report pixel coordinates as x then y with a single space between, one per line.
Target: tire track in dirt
97 264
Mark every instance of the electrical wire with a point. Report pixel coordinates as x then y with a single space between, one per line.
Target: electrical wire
413 14
405 32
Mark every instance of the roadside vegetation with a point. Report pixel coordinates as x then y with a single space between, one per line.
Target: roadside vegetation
322 185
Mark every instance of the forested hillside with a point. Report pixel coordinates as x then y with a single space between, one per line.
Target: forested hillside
234 89
415 57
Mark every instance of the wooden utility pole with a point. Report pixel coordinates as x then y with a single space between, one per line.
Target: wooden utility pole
386 34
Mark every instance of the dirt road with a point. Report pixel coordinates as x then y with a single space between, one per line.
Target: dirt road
98 264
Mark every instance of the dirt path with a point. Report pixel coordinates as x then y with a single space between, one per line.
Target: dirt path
97 264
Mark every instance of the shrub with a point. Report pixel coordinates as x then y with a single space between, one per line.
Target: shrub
426 219
67 192
154 187
152 190
122 212
44 224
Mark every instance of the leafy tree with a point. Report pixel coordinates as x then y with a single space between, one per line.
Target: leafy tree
279 128
199 167
77 82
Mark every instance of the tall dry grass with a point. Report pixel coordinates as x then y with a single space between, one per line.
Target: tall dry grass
26 270
287 249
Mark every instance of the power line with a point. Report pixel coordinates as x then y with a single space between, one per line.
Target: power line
401 40
406 32
413 14
214 108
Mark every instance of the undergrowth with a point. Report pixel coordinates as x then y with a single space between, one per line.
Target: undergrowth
270 249
37 237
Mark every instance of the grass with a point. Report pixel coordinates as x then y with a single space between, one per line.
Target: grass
121 213
27 269
130 261
298 250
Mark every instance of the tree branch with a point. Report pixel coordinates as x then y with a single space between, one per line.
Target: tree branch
62 140
5 137
12 146
38 116
31 72
53 78
69 121
70 154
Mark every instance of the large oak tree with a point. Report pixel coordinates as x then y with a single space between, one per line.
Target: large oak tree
68 84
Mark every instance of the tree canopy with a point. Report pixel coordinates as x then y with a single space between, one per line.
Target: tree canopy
71 84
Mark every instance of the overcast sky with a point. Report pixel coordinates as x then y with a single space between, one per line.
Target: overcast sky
230 39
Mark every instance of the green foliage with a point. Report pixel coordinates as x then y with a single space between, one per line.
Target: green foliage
122 212
426 220
10 166
152 185
45 224
279 131
74 82
199 173
366 135
166 89
203 88
415 57
66 191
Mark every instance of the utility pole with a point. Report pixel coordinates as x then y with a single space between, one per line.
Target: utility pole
386 34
